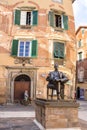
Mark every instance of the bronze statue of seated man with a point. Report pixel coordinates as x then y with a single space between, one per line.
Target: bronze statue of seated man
54 78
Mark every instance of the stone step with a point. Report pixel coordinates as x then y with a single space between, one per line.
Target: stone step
16 114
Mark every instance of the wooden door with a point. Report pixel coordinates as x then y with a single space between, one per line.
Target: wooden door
19 89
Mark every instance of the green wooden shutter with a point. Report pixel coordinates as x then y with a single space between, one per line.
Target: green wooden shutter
35 17
17 17
51 18
34 48
65 22
14 48
56 55
58 50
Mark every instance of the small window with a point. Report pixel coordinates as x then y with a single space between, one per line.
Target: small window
83 30
58 20
80 55
24 48
58 51
26 17
81 74
80 43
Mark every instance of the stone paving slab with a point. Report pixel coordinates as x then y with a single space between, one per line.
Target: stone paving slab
16 107
16 114
83 124
42 128
16 111
18 124
28 124
82 115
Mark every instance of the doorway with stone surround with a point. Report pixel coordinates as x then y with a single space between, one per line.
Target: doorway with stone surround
21 83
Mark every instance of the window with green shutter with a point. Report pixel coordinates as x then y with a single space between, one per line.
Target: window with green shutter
58 50
58 20
51 18
24 18
35 18
34 48
17 17
14 50
65 22
21 48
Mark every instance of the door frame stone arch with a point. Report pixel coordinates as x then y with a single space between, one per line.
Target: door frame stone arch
21 83
13 72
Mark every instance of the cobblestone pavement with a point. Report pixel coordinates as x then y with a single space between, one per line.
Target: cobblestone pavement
82 114
83 124
18 124
16 107
28 123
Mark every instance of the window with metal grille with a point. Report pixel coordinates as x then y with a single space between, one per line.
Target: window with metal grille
58 50
58 21
26 17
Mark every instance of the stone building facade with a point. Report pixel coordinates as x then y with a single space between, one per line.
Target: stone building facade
33 36
81 78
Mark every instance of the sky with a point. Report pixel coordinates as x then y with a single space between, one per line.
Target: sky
80 13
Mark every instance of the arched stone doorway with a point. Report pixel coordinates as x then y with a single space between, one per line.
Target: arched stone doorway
21 83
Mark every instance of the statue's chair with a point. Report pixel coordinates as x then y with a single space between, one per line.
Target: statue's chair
53 87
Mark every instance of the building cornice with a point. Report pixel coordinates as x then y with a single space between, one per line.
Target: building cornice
80 27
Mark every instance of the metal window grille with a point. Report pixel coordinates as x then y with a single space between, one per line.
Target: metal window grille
58 21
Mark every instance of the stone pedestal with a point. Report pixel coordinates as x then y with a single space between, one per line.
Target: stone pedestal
57 114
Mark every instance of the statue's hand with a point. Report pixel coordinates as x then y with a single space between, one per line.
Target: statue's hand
57 79
64 80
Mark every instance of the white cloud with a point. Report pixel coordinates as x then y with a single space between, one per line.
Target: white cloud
76 8
83 2
80 12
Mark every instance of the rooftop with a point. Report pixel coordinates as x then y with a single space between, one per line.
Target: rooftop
80 27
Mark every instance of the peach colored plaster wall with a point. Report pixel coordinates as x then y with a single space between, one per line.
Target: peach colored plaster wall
42 32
